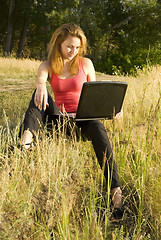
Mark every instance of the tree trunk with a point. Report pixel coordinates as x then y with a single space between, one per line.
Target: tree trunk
47 26
24 30
10 29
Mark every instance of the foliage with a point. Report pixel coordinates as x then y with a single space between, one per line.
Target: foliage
122 35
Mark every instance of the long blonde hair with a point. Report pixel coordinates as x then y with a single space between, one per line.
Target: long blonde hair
54 49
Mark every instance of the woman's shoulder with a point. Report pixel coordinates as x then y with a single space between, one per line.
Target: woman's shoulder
45 66
89 68
86 61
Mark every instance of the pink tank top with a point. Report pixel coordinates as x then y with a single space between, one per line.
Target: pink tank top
67 91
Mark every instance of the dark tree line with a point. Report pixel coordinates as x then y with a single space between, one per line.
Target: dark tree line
122 34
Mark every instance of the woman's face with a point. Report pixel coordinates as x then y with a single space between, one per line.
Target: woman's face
70 47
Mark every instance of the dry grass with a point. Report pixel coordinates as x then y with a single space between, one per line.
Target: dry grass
55 191
18 68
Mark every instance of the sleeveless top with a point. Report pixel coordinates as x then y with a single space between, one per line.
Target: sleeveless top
67 91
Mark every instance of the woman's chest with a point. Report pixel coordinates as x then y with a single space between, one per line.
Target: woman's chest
67 85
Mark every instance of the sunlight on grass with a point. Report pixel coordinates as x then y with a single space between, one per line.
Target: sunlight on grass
56 190
18 68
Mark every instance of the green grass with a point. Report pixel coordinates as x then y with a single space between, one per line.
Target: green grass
56 190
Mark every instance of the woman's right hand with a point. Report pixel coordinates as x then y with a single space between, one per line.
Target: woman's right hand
41 97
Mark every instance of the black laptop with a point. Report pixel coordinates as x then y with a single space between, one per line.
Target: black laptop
100 100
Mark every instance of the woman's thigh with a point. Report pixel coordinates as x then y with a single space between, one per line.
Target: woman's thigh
95 131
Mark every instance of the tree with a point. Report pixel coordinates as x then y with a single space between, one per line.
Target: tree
24 29
10 28
121 34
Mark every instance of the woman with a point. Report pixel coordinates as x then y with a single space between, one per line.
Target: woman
67 70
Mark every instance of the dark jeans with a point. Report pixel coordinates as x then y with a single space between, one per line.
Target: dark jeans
93 130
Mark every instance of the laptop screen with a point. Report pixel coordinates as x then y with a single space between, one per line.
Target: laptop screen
100 100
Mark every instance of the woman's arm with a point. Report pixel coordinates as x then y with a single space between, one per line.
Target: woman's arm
41 96
89 69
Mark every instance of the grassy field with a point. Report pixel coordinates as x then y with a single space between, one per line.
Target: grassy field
56 191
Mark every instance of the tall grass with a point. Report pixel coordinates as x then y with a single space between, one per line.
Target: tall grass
56 190
18 68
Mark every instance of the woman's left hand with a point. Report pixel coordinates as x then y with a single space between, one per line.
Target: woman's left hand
119 115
